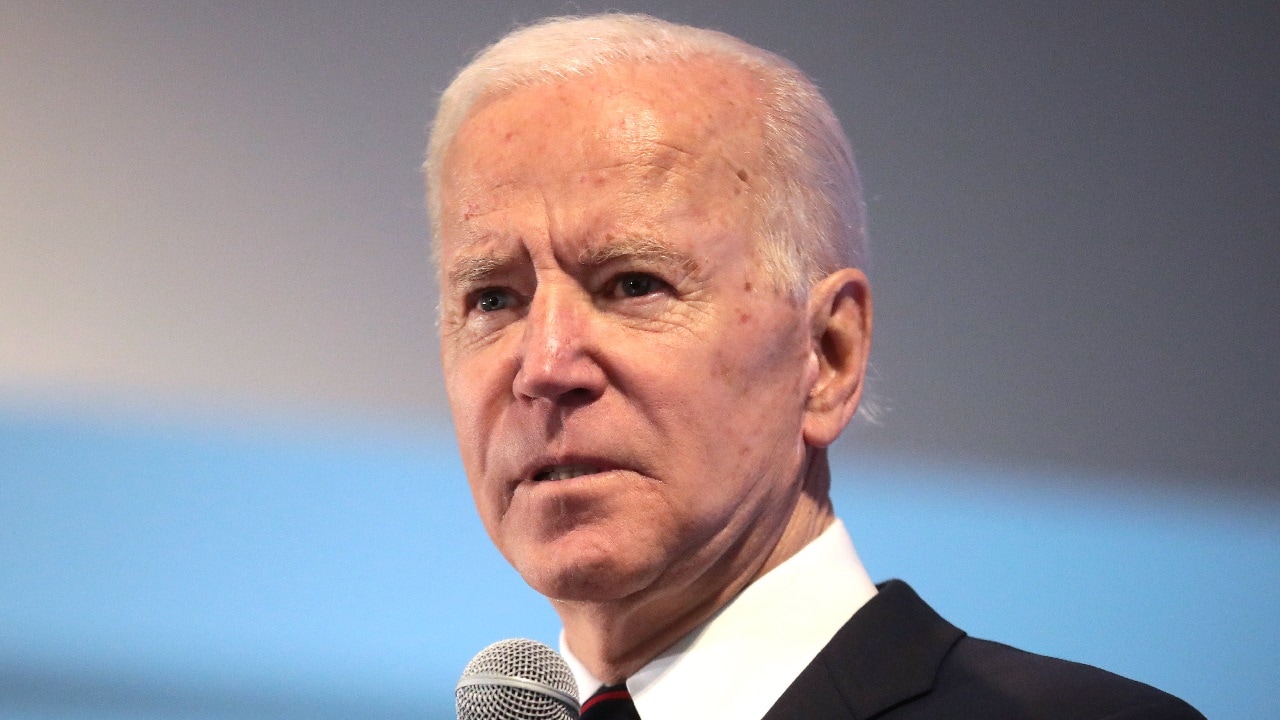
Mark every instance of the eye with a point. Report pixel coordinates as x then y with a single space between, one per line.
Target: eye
493 299
635 284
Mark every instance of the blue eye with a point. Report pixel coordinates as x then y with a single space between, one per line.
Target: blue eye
637 284
493 299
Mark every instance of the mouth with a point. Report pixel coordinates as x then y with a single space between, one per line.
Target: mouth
564 472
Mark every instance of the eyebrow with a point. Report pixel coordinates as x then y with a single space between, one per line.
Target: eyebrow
471 270
636 248
476 269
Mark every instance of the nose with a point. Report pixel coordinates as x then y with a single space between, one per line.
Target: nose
557 355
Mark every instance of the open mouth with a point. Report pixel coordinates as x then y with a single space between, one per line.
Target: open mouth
564 472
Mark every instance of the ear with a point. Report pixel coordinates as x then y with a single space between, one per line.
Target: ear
840 326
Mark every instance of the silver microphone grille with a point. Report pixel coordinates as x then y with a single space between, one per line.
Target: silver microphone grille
517 680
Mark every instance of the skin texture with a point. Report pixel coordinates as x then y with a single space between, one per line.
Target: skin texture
603 311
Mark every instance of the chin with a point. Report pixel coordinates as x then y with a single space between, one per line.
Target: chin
585 575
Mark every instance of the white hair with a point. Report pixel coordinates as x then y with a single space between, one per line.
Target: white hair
812 217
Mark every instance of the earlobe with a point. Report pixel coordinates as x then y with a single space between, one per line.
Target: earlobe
840 315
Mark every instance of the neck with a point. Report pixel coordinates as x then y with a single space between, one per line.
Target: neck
616 639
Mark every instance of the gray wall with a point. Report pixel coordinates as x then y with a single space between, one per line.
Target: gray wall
1073 209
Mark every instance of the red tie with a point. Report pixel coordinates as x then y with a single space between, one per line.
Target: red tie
610 702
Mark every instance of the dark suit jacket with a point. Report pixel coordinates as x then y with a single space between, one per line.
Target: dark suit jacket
896 659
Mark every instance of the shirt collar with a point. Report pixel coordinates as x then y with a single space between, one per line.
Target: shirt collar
740 661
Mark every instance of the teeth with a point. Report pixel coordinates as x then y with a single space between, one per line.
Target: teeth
564 472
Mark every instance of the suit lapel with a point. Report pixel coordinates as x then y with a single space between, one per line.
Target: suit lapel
886 654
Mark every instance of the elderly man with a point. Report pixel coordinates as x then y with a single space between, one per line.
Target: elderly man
653 324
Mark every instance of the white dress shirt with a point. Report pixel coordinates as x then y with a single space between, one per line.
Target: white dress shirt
738 663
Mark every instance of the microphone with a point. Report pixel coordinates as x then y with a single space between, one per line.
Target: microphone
517 680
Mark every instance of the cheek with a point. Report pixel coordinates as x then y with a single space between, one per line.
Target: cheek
759 376
462 401
763 353
476 378
735 401
472 400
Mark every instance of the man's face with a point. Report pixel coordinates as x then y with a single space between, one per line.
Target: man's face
628 387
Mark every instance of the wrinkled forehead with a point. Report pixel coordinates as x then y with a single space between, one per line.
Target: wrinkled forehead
668 114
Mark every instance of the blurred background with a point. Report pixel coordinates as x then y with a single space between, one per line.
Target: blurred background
228 484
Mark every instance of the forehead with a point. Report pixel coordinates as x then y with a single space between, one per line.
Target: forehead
691 118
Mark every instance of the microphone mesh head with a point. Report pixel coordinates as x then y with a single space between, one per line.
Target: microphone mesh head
502 683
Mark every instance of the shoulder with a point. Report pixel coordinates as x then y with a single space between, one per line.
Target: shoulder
897 659
981 678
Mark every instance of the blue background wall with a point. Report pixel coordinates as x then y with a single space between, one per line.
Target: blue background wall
179 572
